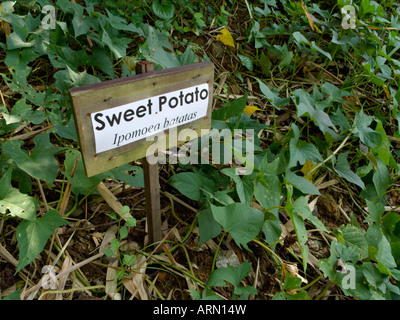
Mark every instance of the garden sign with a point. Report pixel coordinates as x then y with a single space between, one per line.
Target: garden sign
117 119
114 119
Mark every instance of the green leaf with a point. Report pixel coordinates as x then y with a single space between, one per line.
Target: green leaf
299 38
373 276
233 275
7 8
246 61
302 209
272 231
128 260
187 57
41 163
14 41
101 59
13 296
299 227
114 244
318 49
305 106
130 222
117 45
361 128
221 196
270 168
155 38
244 292
291 282
119 23
208 227
19 59
300 151
109 252
231 109
376 210
265 63
381 178
355 245
383 150
21 111
80 183
159 56
286 56
244 185
92 2
385 257
163 9
339 119
80 24
240 220
267 191
342 168
62 56
134 179
301 184
67 131
361 289
32 236
123 232
191 184
351 247
272 95
16 203
390 224
327 266
335 93
70 7
66 79
10 118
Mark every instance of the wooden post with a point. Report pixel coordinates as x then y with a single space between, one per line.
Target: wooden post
151 181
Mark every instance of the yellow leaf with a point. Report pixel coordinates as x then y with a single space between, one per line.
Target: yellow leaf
309 18
250 110
226 38
307 167
318 29
385 88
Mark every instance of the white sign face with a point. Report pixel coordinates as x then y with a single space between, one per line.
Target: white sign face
137 120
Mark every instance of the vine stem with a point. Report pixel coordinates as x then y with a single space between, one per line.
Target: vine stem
333 153
248 8
154 288
216 252
71 290
330 284
283 265
311 283
271 251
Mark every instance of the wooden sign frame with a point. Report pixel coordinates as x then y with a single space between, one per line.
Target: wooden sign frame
118 92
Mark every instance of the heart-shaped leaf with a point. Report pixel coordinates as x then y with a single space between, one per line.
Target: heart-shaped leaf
14 202
240 220
41 163
32 236
163 9
191 184
342 168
